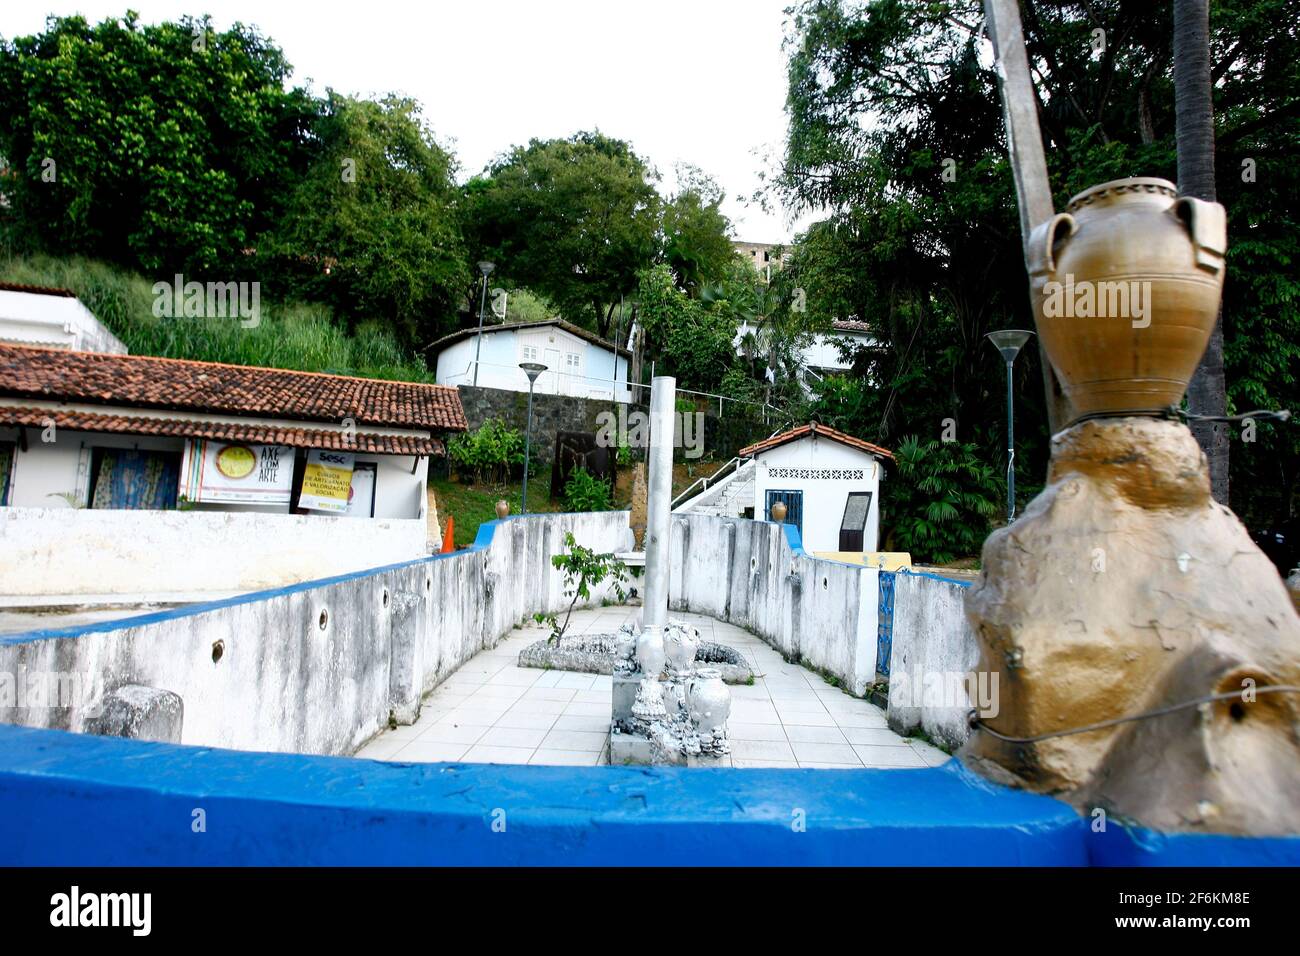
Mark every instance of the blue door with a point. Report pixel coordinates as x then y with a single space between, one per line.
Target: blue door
793 507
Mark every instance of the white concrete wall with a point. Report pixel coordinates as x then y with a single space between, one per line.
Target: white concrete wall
933 649
822 613
63 551
53 321
823 498
283 682
596 375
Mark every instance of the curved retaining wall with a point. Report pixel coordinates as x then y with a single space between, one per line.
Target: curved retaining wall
77 799
316 667
755 574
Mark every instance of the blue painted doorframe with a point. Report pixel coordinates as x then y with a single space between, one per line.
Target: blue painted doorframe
793 507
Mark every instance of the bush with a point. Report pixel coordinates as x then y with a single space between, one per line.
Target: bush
942 502
585 492
492 449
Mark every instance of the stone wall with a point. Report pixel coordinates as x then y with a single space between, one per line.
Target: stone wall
723 437
312 668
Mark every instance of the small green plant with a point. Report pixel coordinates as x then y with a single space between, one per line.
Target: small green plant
585 492
492 449
624 456
583 569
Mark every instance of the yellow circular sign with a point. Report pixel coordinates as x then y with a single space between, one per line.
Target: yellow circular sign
236 461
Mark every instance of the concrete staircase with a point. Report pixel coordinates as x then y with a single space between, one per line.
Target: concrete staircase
726 499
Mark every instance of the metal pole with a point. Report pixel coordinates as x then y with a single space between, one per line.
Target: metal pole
1011 449
478 344
528 435
659 493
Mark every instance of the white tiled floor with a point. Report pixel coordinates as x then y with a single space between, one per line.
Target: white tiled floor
493 711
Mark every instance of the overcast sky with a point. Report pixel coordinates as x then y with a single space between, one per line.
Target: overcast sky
698 81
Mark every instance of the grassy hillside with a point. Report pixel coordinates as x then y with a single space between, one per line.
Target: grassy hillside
289 335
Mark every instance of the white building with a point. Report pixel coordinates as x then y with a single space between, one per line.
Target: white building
829 482
219 477
578 362
54 318
820 357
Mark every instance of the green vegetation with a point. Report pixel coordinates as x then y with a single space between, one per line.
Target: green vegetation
943 500
584 569
493 449
473 505
294 335
585 492
895 122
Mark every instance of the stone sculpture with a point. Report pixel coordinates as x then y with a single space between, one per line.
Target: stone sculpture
1147 652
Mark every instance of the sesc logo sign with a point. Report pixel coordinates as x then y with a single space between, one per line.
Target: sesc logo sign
103 909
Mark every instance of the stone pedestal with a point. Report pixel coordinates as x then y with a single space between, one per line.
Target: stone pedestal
1125 588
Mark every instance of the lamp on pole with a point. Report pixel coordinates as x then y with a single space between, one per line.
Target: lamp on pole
1008 342
485 268
532 370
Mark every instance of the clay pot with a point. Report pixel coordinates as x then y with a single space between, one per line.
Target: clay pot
650 651
681 642
779 512
709 699
503 508
1126 287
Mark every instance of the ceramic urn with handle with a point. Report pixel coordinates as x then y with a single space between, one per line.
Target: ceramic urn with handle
1126 285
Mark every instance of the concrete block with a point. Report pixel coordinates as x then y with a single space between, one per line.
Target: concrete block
139 713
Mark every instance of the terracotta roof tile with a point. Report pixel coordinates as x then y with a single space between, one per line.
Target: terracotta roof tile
37 289
222 431
813 428
143 381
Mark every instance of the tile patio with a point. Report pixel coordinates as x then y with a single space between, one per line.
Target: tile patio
493 711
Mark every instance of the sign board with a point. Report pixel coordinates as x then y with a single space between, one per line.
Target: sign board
327 481
217 471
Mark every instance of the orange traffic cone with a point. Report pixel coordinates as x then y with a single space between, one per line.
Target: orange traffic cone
449 536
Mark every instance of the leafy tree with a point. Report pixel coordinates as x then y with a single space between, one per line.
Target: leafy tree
583 569
572 219
158 147
895 127
942 501
686 339
372 228
696 235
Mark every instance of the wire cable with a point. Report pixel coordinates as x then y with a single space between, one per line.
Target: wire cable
977 722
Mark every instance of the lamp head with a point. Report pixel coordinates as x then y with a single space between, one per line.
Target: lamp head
1009 342
486 268
532 370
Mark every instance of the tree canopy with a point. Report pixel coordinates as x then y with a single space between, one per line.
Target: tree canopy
573 219
895 128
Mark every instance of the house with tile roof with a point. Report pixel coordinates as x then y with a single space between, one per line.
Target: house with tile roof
261 461
829 482
197 429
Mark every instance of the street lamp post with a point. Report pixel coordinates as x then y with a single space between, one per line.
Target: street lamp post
1008 342
485 268
532 370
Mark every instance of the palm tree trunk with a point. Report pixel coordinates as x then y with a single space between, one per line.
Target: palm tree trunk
1194 114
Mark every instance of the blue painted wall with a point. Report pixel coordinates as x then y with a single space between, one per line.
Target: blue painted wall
77 800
